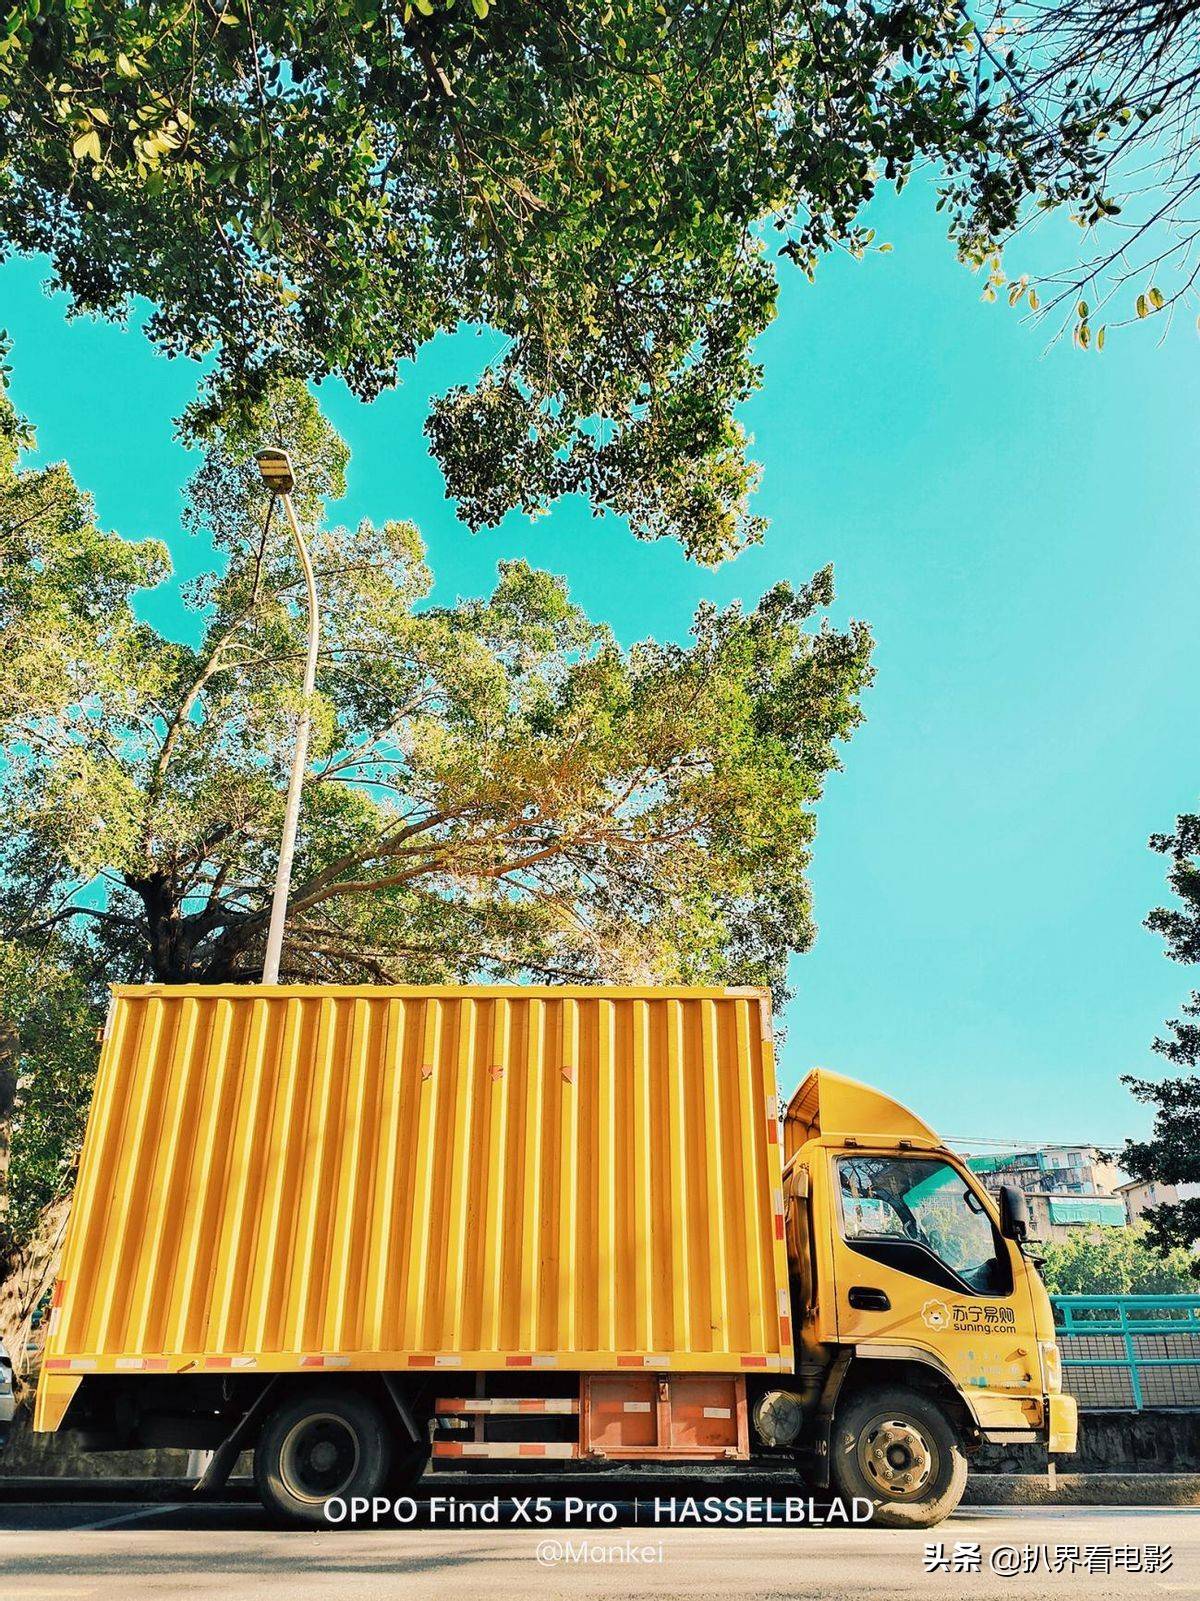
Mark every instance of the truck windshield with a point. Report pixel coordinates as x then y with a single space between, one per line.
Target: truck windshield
918 1214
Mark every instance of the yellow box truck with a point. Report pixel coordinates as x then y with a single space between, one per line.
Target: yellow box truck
366 1231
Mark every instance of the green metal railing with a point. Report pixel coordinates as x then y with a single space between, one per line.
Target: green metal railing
1130 1352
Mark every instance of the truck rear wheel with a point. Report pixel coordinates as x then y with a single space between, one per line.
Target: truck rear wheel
318 1445
897 1448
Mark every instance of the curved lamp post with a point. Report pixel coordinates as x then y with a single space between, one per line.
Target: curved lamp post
275 467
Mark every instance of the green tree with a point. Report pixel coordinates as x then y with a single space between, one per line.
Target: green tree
316 186
495 787
1108 1261
1172 1153
50 1008
1091 107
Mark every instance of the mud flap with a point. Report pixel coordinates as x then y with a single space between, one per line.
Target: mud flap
822 1433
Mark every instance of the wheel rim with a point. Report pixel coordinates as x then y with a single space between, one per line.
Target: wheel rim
319 1457
898 1457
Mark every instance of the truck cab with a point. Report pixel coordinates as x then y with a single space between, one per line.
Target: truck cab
923 1329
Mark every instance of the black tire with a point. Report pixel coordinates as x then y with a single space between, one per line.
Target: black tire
897 1448
319 1444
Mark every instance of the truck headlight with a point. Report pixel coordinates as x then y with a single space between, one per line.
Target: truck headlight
1051 1364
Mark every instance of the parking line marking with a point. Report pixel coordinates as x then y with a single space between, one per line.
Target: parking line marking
129 1517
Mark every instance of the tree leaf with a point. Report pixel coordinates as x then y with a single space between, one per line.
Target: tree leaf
87 144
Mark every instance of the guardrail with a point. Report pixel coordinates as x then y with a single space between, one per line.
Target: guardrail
1130 1352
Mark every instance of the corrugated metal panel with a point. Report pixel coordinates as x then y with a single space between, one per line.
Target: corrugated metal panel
485 1176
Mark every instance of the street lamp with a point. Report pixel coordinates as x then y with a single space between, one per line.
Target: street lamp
275 468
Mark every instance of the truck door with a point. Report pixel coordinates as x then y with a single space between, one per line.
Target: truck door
919 1261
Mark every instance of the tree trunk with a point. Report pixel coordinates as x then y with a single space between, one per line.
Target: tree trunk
207 948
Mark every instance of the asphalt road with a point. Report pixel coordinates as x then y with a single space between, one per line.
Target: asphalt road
146 1551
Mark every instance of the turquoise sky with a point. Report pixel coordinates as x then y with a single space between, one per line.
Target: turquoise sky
1019 527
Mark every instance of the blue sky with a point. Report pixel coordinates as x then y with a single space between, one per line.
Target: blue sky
1019 527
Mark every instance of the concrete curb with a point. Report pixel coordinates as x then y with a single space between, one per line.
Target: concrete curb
116 1490
1083 1489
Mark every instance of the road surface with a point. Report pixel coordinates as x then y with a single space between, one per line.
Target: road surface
147 1551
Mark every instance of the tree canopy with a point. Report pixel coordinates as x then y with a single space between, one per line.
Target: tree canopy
320 186
1172 1153
1109 1261
495 786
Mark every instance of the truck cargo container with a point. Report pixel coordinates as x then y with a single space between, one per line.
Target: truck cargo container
372 1231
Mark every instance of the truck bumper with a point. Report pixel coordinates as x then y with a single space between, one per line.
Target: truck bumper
1024 1420
1062 1424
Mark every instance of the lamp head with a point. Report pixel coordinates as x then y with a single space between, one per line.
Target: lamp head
275 468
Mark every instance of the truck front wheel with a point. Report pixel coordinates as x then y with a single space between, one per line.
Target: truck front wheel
897 1448
319 1445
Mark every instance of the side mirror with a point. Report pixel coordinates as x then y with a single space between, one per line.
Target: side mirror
1014 1213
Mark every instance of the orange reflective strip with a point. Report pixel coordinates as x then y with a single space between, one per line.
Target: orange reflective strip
56 1295
450 1405
455 1448
754 1361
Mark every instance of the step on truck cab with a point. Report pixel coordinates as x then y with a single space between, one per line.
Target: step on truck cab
372 1232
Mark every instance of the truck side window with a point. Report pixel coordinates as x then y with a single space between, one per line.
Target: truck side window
917 1214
